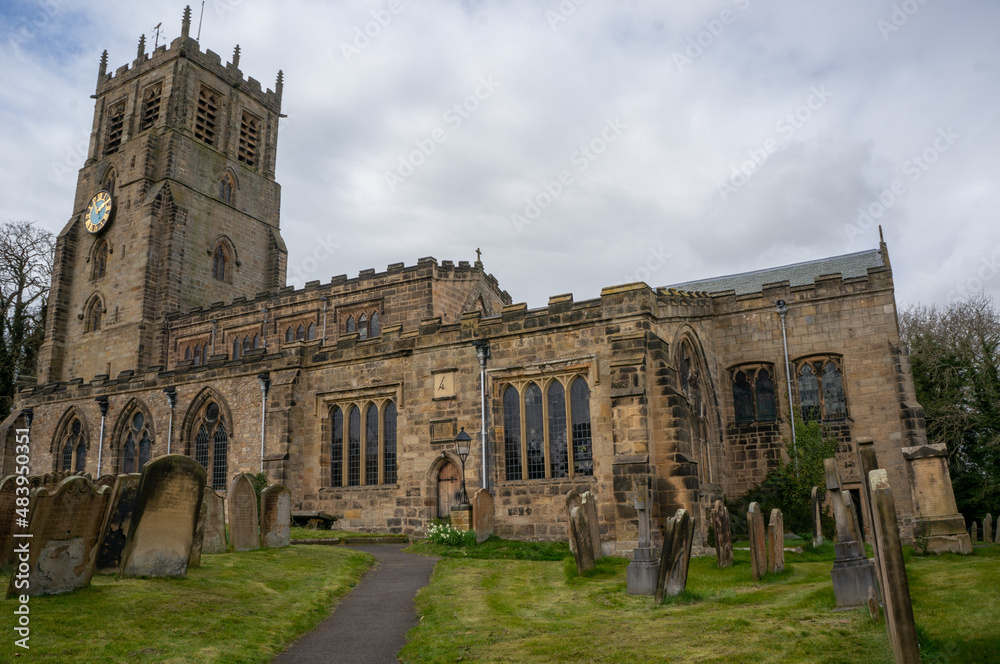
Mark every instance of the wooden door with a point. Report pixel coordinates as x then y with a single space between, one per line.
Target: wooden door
449 489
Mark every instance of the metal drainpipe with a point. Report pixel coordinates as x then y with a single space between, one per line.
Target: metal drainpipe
102 402
483 353
782 310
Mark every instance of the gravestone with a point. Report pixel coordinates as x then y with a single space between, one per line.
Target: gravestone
106 480
114 530
573 499
852 519
194 558
214 532
723 535
8 497
34 481
852 572
974 532
776 542
817 516
590 505
676 555
935 513
642 573
896 597
166 514
868 461
483 517
244 526
64 525
988 529
758 548
583 551
275 516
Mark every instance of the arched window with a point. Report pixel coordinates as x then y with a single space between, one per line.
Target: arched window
336 447
583 453
350 328
246 344
311 332
742 399
389 436
226 187
197 355
300 333
73 447
354 447
220 263
136 442
558 446
236 348
834 401
512 433
534 432
767 404
110 180
363 326
256 341
100 258
289 335
204 353
211 444
374 325
371 445
187 353
809 393
95 315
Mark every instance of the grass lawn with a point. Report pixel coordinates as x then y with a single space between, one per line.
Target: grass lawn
539 611
309 533
237 607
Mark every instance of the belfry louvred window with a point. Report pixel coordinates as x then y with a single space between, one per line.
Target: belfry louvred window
249 138
150 106
206 116
115 128
540 441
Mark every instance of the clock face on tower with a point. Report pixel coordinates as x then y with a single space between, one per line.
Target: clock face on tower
98 213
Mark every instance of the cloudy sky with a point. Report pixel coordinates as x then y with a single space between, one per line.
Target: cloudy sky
580 143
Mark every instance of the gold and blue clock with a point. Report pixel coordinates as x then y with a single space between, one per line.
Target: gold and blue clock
98 213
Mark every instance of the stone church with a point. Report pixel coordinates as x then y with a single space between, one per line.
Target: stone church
171 329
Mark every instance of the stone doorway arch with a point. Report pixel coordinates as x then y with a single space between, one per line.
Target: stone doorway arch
449 488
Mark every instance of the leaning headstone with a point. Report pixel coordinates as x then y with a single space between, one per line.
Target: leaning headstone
852 519
275 516
114 530
214 534
758 548
590 504
8 498
852 572
723 535
573 499
817 516
988 529
483 515
580 535
166 514
974 532
868 461
194 558
776 542
64 525
642 573
898 609
935 512
676 555
243 524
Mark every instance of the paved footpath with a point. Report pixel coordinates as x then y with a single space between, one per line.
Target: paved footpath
369 625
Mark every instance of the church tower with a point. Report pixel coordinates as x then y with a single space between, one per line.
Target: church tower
176 207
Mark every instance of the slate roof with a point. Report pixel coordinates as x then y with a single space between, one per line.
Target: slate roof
797 274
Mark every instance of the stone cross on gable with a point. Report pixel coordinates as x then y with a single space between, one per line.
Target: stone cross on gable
479 255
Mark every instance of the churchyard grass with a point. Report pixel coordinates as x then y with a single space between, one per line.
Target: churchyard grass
310 533
537 611
495 548
237 607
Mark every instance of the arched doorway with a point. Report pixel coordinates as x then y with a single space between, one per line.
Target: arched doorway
449 489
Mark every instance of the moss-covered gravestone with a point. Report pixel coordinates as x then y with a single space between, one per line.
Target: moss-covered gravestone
166 513
214 536
114 530
275 516
244 527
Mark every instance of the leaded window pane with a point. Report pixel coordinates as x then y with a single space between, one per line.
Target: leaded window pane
311 332
336 447
128 455
535 432
389 436
375 325
833 392
363 327
512 433
558 448
300 333
289 335
145 449
81 456
371 445
67 457
809 393
200 447
350 325
742 399
246 344
220 458
767 405
354 448
583 454
236 348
